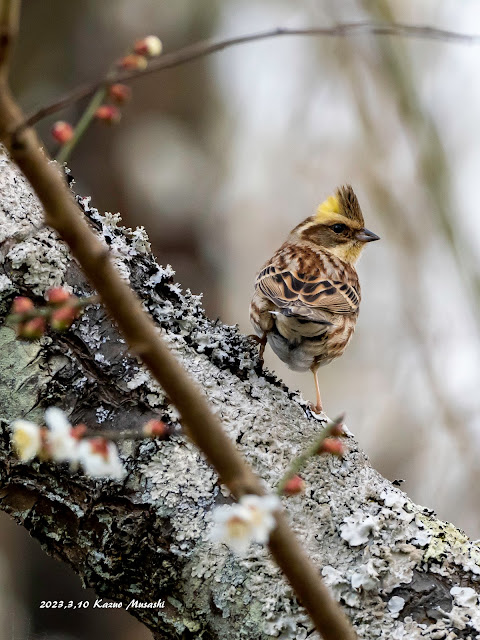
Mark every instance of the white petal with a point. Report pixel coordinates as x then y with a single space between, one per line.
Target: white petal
100 466
223 513
263 520
26 439
56 420
62 447
233 527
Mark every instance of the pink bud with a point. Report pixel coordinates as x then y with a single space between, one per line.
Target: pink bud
62 318
31 329
333 446
294 486
57 295
22 305
62 131
108 113
156 429
119 93
133 62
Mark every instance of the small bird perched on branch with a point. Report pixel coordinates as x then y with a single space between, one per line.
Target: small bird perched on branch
307 295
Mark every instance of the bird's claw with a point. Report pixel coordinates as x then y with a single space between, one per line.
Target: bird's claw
262 341
315 409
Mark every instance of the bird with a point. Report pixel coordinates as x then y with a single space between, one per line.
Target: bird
307 296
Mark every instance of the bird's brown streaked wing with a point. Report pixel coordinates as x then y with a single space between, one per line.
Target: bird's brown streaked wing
302 295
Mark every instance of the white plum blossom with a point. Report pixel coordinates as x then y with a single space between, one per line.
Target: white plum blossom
62 446
261 510
250 520
26 439
99 458
233 526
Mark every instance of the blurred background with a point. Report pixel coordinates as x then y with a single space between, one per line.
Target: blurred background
221 157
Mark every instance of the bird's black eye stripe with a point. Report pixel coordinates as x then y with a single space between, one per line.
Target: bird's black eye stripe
339 227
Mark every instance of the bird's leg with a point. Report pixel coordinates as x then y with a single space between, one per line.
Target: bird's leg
262 341
318 408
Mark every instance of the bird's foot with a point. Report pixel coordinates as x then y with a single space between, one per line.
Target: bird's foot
262 341
316 408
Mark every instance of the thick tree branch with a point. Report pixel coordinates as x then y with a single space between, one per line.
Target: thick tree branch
398 571
204 48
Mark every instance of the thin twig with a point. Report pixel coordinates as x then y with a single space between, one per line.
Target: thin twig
82 125
300 461
206 47
120 436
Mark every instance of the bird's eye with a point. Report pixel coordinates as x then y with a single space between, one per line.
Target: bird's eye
339 227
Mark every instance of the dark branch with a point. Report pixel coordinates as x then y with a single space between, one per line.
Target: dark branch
204 48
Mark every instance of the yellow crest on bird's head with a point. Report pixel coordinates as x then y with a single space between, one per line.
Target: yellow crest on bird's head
328 206
343 204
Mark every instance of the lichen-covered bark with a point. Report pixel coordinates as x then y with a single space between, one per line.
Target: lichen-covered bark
398 572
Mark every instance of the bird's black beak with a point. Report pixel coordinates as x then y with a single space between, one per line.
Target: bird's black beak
364 235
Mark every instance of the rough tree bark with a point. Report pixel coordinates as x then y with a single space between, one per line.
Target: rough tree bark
398 571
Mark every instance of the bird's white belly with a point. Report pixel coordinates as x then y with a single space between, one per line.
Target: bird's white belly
296 358
304 344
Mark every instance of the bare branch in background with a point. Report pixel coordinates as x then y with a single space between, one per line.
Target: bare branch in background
201 49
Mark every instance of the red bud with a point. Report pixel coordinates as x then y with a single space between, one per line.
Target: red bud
133 62
294 486
108 113
156 429
62 131
119 93
333 446
22 305
62 318
57 295
31 329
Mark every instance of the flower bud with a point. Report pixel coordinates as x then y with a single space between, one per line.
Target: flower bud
119 93
133 62
31 329
150 46
293 486
156 429
333 446
22 305
108 113
62 131
62 318
78 431
57 295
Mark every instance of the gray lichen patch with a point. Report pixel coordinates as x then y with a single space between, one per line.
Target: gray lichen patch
20 377
29 252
